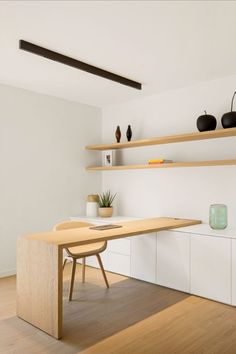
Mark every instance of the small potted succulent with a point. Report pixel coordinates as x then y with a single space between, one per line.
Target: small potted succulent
105 201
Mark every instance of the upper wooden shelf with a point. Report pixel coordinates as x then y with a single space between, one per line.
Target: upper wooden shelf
213 134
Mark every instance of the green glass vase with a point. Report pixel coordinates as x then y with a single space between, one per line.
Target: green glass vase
218 216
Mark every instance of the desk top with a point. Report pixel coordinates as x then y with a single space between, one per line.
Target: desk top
84 235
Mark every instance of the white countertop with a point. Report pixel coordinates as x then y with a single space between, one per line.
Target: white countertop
112 219
205 229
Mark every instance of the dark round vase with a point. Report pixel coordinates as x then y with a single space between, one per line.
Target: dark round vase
206 122
228 120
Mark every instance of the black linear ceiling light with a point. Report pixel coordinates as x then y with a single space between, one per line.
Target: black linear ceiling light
63 59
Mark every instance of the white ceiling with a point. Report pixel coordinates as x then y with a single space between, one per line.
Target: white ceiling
162 44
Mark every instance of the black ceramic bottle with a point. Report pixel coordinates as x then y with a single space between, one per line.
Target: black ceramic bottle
206 122
228 119
129 133
118 134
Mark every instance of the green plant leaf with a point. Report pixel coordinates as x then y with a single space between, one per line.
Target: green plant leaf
106 199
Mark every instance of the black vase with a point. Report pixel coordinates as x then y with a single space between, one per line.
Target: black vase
206 122
129 133
118 134
228 119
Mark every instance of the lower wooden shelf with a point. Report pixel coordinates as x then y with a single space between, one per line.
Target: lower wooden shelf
164 165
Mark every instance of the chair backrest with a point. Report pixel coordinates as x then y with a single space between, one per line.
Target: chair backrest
66 225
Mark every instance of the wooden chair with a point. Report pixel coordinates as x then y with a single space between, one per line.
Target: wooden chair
77 252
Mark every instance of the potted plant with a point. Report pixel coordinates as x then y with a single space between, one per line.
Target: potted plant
105 204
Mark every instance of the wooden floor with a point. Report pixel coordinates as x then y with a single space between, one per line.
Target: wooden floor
132 317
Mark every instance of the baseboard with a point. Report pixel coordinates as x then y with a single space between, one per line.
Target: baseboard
7 273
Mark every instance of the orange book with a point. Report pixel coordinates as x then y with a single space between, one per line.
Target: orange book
158 161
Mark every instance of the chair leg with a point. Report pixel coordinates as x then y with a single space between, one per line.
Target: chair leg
64 263
102 269
72 279
83 269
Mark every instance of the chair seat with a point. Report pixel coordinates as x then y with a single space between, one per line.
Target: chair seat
87 250
81 251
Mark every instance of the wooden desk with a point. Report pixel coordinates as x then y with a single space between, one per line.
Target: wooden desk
39 266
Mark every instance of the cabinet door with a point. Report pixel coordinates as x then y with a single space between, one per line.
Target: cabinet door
143 257
234 272
211 267
121 246
173 260
118 263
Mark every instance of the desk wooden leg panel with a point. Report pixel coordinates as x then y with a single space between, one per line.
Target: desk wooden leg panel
39 285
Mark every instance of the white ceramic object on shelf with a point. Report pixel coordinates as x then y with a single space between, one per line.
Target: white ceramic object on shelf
92 205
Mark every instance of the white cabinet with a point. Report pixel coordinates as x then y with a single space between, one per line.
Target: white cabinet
143 257
234 272
119 256
173 260
196 260
119 263
121 245
211 267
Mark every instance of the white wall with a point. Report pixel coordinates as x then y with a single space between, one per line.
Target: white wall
183 192
43 178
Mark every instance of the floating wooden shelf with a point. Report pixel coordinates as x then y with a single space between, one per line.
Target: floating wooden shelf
164 165
220 133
